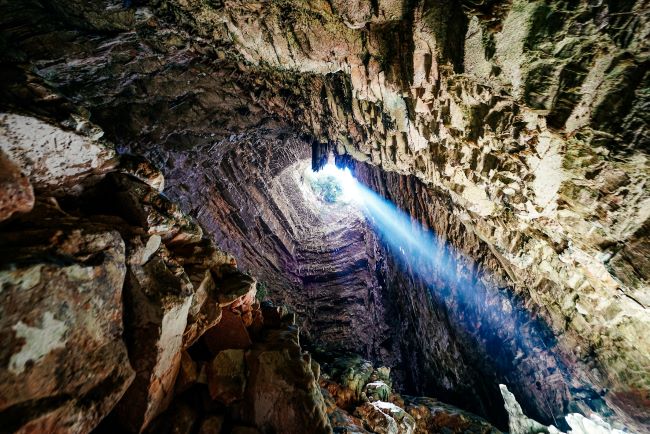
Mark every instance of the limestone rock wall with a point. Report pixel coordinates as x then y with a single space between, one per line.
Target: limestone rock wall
528 115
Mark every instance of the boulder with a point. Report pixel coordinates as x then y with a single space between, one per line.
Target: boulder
211 425
204 255
377 391
204 312
205 265
432 415
145 207
180 418
227 376
235 289
376 420
188 373
16 193
157 299
282 392
229 333
341 420
386 418
141 169
63 363
349 375
143 248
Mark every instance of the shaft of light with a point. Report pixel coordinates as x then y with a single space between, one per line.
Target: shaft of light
398 229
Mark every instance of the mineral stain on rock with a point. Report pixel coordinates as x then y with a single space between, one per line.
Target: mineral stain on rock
38 341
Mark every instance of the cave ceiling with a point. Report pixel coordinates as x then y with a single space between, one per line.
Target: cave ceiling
515 131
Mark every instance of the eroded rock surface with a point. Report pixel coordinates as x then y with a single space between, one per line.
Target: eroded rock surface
351 411
64 363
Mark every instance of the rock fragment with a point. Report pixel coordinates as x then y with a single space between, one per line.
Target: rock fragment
227 376
16 193
158 296
229 333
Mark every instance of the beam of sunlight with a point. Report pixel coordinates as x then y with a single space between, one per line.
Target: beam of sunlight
497 319
397 228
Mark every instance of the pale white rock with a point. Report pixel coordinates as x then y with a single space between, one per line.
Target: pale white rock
519 423
39 341
52 158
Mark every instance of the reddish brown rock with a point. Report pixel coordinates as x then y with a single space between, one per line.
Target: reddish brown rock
341 420
236 289
275 315
203 255
180 418
385 418
343 397
204 312
244 430
145 207
229 333
271 315
140 168
188 373
16 193
432 415
63 364
257 321
211 425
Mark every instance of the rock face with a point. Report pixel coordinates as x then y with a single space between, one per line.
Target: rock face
520 424
39 149
517 130
64 364
157 300
72 279
282 387
270 386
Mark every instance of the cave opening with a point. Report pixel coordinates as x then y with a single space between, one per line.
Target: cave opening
284 216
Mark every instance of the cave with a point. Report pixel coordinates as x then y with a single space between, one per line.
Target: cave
365 216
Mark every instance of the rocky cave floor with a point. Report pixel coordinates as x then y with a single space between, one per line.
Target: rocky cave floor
169 265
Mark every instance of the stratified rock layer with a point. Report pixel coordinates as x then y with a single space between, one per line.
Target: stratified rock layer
528 118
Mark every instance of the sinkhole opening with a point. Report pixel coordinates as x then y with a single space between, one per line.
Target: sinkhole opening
332 184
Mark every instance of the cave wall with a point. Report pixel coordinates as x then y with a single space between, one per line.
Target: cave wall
249 195
495 332
345 285
528 115
513 133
